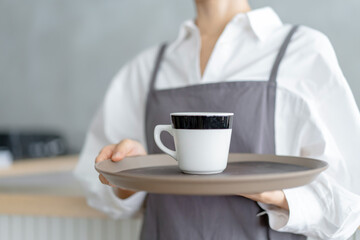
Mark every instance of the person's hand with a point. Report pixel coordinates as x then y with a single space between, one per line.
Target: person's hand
276 198
117 152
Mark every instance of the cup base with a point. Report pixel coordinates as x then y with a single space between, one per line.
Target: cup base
201 172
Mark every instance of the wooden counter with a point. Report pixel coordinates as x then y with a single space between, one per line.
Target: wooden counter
47 203
39 166
44 205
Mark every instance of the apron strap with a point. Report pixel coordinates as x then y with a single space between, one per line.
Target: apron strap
280 55
157 66
274 70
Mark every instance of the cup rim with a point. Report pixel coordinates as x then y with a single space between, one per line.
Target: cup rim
207 114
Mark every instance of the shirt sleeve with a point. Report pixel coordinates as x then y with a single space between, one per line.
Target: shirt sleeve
120 116
98 195
323 209
336 107
330 131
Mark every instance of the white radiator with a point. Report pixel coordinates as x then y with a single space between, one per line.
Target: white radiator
14 227
51 228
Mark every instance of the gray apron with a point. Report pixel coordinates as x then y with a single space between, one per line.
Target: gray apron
183 217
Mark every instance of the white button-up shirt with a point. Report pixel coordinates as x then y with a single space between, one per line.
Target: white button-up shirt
315 115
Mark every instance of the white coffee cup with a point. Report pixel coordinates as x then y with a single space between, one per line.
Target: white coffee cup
202 141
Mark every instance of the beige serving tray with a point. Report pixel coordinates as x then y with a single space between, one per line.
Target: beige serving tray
245 173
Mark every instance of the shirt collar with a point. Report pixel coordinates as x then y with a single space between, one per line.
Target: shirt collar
186 29
262 22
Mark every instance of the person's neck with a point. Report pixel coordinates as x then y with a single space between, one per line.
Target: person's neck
213 15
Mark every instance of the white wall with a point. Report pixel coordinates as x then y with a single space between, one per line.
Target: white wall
58 56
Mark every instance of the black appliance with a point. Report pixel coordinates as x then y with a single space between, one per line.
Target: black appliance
24 145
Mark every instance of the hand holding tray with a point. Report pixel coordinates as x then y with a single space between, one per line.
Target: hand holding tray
245 173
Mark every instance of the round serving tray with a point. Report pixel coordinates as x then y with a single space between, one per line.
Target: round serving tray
245 173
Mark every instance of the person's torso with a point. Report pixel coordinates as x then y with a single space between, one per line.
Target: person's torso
214 217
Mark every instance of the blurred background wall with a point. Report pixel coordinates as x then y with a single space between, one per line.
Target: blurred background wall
57 57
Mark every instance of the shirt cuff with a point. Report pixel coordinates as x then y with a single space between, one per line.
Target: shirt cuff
293 220
106 200
278 217
132 205
303 206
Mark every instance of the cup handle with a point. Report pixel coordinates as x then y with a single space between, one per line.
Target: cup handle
157 131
